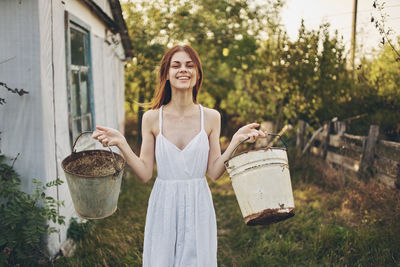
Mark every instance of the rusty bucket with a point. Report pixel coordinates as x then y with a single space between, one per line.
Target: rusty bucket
262 185
94 180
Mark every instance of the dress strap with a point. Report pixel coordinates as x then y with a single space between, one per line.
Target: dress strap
202 116
160 119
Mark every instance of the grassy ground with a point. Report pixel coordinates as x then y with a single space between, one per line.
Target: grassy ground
338 221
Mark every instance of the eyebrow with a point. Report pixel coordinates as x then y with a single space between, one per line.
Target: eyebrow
190 61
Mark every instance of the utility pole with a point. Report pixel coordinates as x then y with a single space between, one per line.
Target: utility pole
353 36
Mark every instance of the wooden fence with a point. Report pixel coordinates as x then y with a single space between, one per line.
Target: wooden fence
362 155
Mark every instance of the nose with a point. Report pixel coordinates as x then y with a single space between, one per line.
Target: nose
183 69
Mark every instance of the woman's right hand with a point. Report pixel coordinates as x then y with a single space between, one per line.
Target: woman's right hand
108 136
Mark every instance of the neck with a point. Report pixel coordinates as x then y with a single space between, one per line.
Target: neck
181 100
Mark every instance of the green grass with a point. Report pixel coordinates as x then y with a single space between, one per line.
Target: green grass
339 221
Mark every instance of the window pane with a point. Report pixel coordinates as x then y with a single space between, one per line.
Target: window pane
84 87
75 95
87 122
76 128
78 40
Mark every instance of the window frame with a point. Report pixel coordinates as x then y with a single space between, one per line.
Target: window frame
72 22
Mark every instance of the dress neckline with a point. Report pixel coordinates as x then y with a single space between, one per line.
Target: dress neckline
192 140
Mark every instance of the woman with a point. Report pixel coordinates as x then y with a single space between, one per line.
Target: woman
184 138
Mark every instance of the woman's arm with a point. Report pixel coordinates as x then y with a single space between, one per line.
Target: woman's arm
216 161
142 166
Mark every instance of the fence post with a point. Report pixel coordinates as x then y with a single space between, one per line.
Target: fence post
325 139
341 127
368 152
301 134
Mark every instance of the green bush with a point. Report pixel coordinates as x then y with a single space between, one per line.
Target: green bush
77 230
23 219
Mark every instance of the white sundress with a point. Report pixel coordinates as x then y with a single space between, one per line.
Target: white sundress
181 229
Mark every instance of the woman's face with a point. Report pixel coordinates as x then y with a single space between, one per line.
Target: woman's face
182 72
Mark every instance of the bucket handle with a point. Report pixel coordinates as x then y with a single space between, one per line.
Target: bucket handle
117 169
270 134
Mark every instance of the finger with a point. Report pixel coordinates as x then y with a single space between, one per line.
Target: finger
250 126
253 125
104 142
96 134
101 128
261 133
255 132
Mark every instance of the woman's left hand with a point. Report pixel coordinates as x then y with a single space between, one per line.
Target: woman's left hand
250 131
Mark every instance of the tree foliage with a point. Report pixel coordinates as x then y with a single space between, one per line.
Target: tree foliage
377 93
252 70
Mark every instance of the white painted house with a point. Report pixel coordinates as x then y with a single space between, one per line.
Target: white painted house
69 55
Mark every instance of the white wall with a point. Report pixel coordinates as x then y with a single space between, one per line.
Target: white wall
36 124
20 118
105 91
54 109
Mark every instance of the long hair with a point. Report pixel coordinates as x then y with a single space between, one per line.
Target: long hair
163 92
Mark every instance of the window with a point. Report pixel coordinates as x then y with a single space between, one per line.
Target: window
80 93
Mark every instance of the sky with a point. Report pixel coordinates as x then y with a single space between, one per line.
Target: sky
339 14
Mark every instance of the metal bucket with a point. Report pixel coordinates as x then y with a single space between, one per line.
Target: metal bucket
95 191
261 181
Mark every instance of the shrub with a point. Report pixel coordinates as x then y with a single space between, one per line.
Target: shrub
23 219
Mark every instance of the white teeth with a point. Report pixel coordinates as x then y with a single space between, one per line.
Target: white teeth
183 78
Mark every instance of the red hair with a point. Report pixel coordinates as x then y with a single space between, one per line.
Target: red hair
163 92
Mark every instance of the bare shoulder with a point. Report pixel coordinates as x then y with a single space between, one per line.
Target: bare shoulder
211 115
212 119
151 114
150 120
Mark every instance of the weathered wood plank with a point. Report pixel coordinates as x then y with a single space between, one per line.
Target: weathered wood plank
325 139
369 149
341 127
346 162
353 146
341 143
384 150
312 140
347 152
301 134
390 144
354 137
336 140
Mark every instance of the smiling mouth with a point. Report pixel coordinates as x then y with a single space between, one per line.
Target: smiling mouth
183 78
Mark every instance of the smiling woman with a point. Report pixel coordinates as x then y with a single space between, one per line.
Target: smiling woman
182 74
184 56
184 138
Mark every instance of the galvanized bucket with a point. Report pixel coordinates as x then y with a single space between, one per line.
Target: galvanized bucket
261 181
94 180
